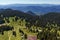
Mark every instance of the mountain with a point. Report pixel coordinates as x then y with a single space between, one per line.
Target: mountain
35 8
52 18
31 13
12 13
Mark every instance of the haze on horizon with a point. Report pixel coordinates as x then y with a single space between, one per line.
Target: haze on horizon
5 2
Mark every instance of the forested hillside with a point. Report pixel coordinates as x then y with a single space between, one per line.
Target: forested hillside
52 18
42 20
18 25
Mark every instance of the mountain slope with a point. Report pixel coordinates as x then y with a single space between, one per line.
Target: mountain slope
11 13
52 18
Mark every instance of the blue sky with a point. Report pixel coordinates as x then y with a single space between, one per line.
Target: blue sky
4 2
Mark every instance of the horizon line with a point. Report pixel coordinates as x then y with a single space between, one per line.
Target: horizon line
31 4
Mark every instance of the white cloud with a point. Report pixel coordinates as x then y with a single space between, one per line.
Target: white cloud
4 2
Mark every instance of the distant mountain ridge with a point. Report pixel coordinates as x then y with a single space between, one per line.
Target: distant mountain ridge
36 8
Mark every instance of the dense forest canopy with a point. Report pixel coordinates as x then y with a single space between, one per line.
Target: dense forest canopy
18 25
